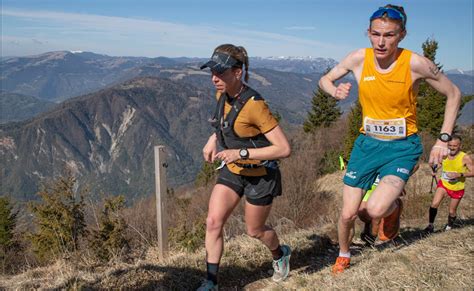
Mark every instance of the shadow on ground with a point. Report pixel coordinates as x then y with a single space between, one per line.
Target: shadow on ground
319 254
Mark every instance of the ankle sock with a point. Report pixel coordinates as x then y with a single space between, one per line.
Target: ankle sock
345 255
212 270
277 253
433 212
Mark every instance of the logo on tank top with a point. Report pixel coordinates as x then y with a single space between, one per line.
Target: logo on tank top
369 78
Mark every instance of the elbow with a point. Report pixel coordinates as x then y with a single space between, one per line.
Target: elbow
286 152
320 83
456 95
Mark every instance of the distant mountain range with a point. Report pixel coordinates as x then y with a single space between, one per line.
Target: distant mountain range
107 138
126 106
17 107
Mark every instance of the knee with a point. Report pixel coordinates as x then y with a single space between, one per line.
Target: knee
213 224
348 217
376 212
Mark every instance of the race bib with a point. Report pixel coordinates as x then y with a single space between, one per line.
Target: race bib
444 176
386 129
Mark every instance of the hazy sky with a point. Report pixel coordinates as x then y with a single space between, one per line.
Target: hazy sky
173 28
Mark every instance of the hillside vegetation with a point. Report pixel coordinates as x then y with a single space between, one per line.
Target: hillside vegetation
441 261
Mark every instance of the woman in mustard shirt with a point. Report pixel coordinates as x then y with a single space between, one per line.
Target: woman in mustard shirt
251 142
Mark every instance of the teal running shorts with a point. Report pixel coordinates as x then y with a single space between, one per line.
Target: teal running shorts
371 157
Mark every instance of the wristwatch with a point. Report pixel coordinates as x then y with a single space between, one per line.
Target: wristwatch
444 137
244 153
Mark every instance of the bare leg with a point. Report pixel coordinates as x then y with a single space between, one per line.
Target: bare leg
382 201
438 197
453 207
351 201
223 200
255 218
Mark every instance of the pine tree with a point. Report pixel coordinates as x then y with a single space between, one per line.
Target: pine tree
431 103
9 247
7 224
354 123
324 111
110 240
59 219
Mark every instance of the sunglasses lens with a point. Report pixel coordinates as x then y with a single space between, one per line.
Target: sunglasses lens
391 13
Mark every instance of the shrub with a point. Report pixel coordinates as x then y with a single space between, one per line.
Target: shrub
59 219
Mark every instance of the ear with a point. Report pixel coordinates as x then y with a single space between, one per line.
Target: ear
238 73
403 34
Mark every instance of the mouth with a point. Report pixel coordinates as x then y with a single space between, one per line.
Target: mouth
381 50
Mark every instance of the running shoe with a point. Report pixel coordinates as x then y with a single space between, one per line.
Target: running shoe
341 264
390 225
208 285
281 267
429 229
447 227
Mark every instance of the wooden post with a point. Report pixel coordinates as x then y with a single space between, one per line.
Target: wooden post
161 193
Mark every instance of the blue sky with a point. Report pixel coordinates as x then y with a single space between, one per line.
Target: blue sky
175 28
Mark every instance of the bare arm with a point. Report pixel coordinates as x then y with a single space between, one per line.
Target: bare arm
279 148
423 68
469 165
352 62
210 149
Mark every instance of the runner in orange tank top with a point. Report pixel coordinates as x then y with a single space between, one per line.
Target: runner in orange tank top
388 146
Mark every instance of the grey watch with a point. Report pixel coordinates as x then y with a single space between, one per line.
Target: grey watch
444 137
244 153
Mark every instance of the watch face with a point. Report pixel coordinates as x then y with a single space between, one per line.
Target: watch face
445 137
244 153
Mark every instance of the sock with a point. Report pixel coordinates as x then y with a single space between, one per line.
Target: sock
277 253
433 212
212 270
451 220
345 255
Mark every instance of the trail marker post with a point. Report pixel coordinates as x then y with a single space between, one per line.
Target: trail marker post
161 208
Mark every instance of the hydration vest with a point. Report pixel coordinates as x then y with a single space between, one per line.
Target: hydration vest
224 127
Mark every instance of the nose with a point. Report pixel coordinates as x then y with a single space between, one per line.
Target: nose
214 78
381 42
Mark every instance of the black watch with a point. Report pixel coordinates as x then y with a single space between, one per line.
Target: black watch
445 137
244 153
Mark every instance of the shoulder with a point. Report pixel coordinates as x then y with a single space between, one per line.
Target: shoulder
253 95
354 58
466 157
423 67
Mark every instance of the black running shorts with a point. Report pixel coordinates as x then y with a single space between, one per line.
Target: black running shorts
257 190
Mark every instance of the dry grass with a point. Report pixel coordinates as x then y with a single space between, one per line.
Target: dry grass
441 261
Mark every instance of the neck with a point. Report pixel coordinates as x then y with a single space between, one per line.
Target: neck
385 63
235 92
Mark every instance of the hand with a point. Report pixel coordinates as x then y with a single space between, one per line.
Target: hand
438 153
210 149
228 156
342 91
453 175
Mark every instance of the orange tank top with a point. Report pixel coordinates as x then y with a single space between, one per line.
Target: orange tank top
388 100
